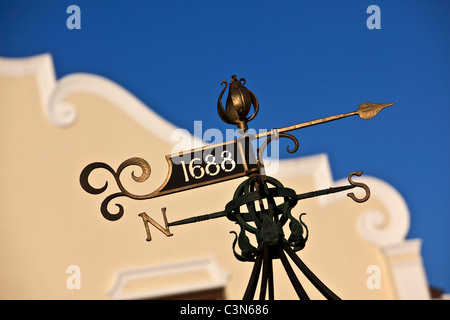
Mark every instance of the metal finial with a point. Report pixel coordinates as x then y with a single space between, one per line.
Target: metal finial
238 104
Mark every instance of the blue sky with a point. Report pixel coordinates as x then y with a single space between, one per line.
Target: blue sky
303 59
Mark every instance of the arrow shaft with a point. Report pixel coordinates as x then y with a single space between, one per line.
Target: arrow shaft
220 214
308 124
323 192
198 218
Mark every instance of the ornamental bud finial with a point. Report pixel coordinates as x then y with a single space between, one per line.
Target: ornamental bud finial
238 104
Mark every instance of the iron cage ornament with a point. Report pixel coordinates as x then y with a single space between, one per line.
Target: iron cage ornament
254 207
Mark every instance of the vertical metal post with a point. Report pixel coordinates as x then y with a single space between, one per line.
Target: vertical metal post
323 289
294 280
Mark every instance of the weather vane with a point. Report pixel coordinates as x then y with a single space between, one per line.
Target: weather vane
235 159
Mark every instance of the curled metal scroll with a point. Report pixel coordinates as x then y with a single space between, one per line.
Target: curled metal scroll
260 150
358 184
84 181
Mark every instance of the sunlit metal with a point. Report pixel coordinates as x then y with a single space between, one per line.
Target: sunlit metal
254 207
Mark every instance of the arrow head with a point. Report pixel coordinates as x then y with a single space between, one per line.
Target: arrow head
368 110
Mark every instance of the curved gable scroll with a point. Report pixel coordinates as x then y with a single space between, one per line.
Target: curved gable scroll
54 92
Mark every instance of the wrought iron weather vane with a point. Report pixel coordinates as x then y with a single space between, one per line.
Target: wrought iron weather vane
234 159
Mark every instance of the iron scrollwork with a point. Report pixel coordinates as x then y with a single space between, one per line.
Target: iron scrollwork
84 181
268 221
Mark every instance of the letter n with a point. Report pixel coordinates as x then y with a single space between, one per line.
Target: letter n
148 220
